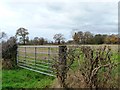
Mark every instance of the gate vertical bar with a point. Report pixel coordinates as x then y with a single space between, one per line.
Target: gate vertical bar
48 54
17 55
35 55
25 56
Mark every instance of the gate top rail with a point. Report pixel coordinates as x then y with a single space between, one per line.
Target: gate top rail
39 46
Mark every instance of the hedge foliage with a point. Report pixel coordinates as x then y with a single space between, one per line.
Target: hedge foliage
9 53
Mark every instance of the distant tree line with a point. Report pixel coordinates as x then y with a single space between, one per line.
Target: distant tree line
89 38
77 38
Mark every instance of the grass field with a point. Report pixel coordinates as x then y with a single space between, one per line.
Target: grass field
21 78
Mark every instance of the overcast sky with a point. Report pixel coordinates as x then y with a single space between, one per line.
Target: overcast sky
43 18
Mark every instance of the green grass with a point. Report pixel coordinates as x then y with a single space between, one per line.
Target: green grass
21 78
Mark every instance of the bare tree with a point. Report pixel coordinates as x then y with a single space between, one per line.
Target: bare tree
22 33
58 38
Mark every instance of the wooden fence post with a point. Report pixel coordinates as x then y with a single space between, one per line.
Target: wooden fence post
62 65
62 54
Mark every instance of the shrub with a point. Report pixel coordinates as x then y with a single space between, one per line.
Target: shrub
97 66
9 53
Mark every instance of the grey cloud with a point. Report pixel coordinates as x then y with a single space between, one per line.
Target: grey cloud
46 19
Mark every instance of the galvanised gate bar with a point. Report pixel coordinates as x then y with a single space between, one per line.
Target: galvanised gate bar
38 58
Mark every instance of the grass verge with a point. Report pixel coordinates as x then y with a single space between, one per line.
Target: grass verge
21 78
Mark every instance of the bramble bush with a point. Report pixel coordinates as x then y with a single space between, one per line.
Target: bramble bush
96 66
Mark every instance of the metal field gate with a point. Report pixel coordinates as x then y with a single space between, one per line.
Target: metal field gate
37 58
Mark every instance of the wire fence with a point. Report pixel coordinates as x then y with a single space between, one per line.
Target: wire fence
37 58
